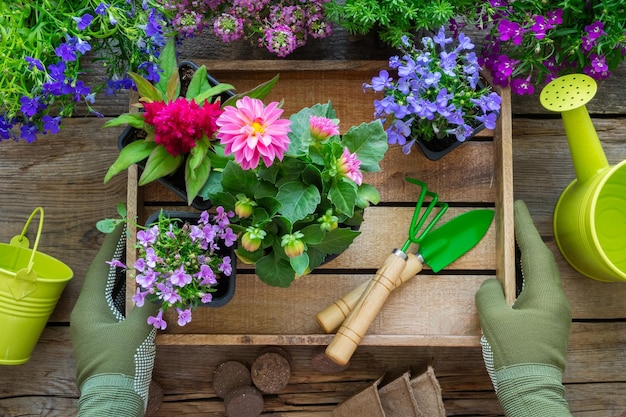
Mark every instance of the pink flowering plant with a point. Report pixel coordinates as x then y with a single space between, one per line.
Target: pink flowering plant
296 185
280 26
177 130
180 263
532 42
437 92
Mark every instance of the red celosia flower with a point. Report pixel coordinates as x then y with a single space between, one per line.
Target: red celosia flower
180 123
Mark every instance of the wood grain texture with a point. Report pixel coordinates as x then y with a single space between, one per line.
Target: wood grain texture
64 174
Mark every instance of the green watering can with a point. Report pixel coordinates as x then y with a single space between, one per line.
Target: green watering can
590 215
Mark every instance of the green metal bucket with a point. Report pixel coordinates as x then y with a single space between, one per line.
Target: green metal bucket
31 284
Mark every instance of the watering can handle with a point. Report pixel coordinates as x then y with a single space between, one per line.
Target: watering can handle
351 332
332 316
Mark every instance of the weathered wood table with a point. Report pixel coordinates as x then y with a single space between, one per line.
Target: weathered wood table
64 174
434 310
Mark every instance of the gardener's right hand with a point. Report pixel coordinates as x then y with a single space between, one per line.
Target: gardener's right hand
524 346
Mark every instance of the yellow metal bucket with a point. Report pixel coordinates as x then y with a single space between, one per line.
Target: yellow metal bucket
31 284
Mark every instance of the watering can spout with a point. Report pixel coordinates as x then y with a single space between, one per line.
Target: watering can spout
568 95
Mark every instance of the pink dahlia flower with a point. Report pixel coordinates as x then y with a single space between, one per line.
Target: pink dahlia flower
252 131
349 165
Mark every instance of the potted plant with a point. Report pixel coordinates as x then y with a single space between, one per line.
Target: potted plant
437 99
185 260
296 186
173 138
531 43
279 26
393 19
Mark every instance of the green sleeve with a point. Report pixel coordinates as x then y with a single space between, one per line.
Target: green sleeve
531 390
110 395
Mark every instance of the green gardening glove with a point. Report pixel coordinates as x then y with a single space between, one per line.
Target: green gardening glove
114 356
524 346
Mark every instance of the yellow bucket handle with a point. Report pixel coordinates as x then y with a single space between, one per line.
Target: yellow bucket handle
22 240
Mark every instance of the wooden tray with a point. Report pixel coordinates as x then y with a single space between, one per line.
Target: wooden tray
431 310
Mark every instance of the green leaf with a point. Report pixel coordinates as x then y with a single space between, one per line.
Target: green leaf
132 119
275 270
211 92
260 91
147 91
121 209
337 241
213 185
300 264
369 141
270 204
196 177
313 234
198 83
107 225
198 153
343 196
167 63
130 154
316 257
367 194
160 163
298 200
173 87
236 180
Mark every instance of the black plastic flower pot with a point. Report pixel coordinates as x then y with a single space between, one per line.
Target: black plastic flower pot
225 288
435 149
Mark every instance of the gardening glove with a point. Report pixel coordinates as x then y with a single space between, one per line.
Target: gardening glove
114 355
524 346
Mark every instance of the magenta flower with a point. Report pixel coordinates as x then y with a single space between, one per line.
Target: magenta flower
510 30
252 131
595 30
322 128
349 166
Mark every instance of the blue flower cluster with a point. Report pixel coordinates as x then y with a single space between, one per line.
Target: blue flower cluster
55 88
437 93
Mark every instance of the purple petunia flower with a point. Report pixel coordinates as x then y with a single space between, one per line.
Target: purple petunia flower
206 275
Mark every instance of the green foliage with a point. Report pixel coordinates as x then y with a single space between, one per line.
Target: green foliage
393 18
302 202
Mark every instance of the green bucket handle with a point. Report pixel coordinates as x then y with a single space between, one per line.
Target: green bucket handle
24 281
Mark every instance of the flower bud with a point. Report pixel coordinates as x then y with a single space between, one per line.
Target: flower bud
292 244
244 206
328 222
253 238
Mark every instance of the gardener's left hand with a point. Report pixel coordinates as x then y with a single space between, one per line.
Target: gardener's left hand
114 355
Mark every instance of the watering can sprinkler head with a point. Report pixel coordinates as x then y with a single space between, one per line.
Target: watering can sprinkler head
569 95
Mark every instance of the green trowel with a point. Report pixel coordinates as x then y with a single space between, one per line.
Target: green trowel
437 249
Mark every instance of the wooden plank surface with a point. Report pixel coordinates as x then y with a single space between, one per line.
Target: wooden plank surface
63 173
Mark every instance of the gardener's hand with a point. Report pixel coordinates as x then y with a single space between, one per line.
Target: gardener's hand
524 346
114 356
